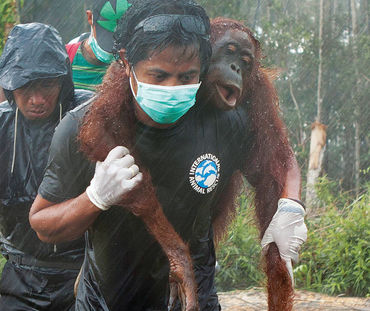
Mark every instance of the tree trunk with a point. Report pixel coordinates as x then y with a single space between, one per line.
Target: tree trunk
319 75
318 133
365 9
256 14
355 102
301 133
317 149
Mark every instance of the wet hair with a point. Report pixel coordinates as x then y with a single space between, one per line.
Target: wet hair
140 45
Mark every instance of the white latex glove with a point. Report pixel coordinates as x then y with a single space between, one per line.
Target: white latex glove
113 178
288 230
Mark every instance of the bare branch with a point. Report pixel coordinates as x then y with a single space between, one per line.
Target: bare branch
298 113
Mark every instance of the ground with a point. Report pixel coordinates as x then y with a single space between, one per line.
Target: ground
255 299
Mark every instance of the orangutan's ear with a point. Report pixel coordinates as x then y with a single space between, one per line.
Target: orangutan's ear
122 56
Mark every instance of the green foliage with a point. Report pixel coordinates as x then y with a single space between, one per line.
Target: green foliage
2 263
7 19
336 257
334 260
330 192
239 254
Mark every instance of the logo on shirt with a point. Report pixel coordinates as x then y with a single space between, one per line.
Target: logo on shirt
204 173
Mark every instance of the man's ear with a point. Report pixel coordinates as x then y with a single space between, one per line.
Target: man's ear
89 15
122 56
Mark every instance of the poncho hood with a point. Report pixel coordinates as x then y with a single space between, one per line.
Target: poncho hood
35 51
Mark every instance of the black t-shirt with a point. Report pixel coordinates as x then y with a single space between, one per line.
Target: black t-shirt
190 164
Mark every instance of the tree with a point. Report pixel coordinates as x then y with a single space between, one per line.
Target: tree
318 133
356 110
8 18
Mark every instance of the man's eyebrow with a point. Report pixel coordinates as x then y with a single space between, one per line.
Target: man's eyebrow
190 72
163 72
157 70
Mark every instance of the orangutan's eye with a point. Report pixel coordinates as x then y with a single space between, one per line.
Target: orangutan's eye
231 49
246 59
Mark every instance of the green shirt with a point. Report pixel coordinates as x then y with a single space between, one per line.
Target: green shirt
86 76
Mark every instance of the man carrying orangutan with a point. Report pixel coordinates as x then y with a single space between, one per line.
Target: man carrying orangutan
164 45
191 152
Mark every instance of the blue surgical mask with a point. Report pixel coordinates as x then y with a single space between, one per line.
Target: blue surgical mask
165 104
100 54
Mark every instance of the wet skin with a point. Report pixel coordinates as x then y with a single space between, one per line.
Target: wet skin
38 99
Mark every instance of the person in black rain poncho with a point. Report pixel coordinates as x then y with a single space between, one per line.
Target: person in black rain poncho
36 77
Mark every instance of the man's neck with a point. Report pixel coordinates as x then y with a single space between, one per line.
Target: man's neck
89 55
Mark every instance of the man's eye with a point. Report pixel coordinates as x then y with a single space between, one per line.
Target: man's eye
158 77
26 89
187 78
48 85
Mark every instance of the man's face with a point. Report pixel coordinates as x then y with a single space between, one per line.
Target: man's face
37 99
169 67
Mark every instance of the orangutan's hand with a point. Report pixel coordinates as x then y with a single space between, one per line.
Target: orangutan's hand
113 178
288 230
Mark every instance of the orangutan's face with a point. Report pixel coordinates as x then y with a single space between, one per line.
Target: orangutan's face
229 73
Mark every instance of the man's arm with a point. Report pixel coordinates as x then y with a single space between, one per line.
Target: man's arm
2 95
60 222
287 228
68 220
292 186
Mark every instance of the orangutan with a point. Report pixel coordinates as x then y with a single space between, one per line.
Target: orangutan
236 78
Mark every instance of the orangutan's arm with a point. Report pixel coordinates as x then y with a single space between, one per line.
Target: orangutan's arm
64 221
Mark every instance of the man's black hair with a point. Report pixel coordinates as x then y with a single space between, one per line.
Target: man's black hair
139 44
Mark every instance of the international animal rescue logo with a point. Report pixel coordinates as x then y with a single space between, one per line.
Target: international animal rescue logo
204 173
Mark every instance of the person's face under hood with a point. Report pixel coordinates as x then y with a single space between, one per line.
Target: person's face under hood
38 99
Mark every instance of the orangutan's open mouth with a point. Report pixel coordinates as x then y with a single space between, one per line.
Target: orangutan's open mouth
229 94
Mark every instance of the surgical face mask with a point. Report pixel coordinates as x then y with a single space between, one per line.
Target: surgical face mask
100 54
165 104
